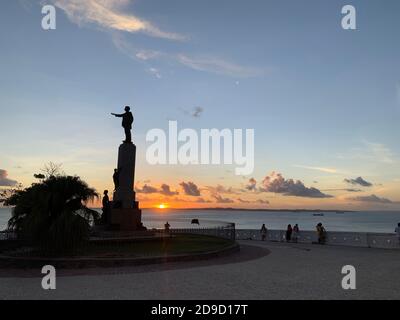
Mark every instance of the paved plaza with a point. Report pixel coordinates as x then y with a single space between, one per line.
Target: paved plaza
262 270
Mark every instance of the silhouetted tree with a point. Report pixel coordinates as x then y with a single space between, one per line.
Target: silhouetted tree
52 169
53 212
7 193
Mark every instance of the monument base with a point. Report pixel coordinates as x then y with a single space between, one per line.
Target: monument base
126 219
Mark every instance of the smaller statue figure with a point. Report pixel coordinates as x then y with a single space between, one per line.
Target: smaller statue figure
116 178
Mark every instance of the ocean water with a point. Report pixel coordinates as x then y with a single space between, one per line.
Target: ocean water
366 221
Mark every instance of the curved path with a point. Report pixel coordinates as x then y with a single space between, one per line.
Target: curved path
262 270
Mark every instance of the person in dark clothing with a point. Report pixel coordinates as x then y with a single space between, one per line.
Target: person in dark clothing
295 235
263 232
127 120
289 231
321 232
105 207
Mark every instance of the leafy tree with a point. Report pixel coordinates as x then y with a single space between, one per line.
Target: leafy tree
53 213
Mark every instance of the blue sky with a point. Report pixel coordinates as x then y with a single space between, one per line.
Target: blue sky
324 102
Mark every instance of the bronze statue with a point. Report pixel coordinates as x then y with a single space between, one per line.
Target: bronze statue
127 120
116 178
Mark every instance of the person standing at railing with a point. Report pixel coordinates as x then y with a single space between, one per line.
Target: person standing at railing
289 231
321 232
166 227
397 230
296 231
263 232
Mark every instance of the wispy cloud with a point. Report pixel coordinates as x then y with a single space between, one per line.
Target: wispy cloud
370 151
327 170
371 198
155 72
381 152
217 65
219 189
109 14
204 63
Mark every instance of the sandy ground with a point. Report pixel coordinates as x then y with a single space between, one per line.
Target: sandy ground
262 270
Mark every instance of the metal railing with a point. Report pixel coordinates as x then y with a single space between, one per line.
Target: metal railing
220 229
354 239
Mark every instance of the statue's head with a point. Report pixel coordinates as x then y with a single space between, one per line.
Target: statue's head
127 108
105 192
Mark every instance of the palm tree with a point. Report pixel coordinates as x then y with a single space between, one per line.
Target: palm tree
53 212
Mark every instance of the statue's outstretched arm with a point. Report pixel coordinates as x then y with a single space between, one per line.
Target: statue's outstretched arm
117 115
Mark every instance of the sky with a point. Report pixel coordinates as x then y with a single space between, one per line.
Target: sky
324 102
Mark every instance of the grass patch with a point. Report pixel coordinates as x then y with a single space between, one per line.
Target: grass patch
177 244
170 245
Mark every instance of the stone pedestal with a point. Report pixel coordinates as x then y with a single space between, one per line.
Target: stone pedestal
126 167
126 219
125 212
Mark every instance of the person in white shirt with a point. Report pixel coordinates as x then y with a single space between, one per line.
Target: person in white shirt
397 230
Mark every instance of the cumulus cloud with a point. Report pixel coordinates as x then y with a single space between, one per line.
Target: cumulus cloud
190 189
276 183
371 198
166 190
358 181
109 14
147 189
219 199
4 181
252 184
261 201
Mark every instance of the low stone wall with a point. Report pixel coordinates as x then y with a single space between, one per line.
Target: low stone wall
354 239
